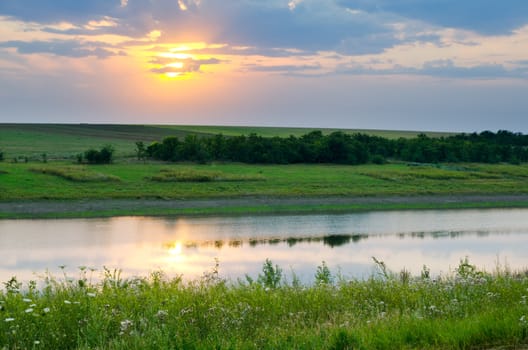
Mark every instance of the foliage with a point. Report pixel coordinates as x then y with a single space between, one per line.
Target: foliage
323 274
141 150
342 148
103 156
478 311
1 156
271 276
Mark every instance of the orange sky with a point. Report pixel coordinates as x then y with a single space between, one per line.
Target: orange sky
299 63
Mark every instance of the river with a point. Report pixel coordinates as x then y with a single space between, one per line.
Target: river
189 246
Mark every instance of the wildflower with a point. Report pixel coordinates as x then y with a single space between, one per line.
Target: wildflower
46 310
36 342
522 320
162 314
26 300
28 310
125 325
91 295
67 302
9 319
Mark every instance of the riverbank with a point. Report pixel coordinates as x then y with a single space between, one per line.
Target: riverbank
470 309
248 205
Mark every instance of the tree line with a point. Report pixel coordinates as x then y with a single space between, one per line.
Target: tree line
341 148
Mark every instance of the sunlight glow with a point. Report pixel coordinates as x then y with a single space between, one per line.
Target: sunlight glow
172 74
179 56
175 248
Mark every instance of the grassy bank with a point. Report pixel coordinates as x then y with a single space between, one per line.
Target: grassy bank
67 181
468 309
316 188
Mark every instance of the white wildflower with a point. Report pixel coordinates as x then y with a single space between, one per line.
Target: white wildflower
9 319
26 300
46 310
125 325
67 302
161 314
36 342
91 295
28 310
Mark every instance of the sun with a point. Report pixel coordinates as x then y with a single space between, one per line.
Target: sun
177 65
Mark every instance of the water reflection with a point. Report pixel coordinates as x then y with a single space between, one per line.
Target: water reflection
189 246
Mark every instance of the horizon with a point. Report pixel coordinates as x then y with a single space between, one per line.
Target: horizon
412 65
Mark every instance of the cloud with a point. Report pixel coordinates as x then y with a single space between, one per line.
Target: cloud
312 25
186 65
484 16
440 69
287 68
67 48
58 10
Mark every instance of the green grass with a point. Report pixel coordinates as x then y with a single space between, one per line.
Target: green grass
467 309
19 183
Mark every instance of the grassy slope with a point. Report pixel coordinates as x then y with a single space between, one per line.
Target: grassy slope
67 140
285 132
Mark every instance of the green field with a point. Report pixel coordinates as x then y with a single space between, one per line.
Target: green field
467 309
65 141
26 175
34 181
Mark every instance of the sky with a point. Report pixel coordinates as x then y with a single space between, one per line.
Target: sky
436 65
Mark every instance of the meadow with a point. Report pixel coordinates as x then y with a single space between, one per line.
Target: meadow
466 309
67 180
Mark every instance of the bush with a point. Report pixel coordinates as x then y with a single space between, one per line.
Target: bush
104 156
1 156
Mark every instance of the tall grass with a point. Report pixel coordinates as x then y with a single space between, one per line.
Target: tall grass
191 175
75 173
468 309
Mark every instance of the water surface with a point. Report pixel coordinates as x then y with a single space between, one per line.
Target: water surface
299 243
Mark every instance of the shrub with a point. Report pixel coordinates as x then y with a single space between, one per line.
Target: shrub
104 156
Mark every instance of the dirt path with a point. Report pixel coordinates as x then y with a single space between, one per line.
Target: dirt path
50 206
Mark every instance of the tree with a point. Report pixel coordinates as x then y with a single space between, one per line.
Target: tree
141 150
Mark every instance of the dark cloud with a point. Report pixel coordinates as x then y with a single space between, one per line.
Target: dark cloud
314 25
58 10
68 48
441 69
484 16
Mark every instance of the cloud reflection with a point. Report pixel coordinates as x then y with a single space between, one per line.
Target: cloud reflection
189 246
